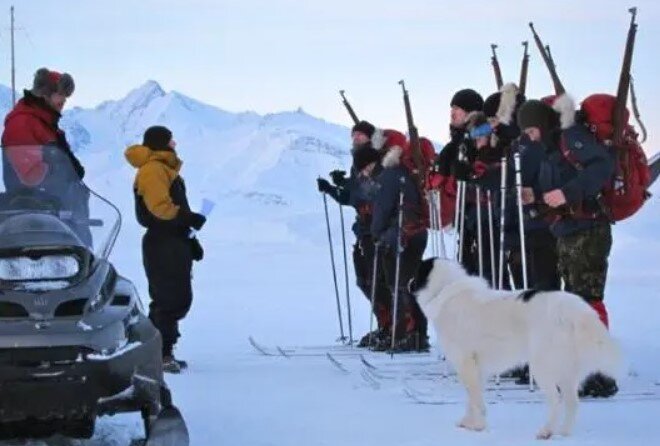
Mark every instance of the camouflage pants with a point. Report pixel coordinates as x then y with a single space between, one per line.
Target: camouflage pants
583 261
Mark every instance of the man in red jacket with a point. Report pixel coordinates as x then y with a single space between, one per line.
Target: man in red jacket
31 125
34 122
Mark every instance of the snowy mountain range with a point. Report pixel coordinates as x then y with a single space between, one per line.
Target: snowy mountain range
242 159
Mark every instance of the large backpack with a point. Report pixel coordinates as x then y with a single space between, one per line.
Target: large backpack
625 193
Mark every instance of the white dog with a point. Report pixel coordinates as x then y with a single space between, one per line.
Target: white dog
483 331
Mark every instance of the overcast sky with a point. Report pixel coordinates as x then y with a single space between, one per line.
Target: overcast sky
274 55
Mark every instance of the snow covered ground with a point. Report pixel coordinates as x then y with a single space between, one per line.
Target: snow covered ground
266 274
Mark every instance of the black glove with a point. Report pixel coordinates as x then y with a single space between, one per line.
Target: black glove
325 186
196 249
462 170
195 220
338 177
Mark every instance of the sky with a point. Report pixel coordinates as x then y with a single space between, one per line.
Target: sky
275 55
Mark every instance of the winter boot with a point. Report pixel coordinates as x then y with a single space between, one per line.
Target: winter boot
372 339
521 374
598 386
171 365
411 342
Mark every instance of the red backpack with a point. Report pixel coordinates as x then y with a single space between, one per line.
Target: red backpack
626 192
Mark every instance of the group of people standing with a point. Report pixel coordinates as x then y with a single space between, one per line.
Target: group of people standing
566 230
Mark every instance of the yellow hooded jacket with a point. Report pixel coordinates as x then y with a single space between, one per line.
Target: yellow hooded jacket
160 193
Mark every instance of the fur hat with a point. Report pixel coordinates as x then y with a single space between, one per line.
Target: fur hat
538 114
503 104
47 83
364 156
157 138
468 99
364 127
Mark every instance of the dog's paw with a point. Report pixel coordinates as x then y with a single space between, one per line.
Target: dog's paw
544 434
472 425
565 432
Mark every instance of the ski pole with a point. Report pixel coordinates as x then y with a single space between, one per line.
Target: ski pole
491 234
480 240
443 248
374 279
502 222
348 294
457 218
521 226
437 225
461 203
397 272
342 337
521 223
429 195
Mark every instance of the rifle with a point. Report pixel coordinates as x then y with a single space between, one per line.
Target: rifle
348 107
420 173
547 50
549 63
496 67
618 118
524 68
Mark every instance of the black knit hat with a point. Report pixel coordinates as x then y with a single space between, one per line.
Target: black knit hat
157 138
364 127
492 104
364 156
468 99
534 113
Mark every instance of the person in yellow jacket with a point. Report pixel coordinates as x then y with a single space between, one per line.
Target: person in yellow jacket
168 250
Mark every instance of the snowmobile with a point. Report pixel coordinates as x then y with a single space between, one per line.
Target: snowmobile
75 343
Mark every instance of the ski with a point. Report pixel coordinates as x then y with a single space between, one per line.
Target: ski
419 398
321 351
336 363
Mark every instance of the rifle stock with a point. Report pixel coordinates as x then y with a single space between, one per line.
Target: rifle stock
524 69
420 173
549 63
618 119
348 107
496 67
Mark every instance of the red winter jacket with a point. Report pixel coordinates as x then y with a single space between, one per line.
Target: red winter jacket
28 126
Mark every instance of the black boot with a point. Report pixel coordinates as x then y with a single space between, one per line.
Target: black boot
522 375
171 365
411 342
598 386
383 341
374 338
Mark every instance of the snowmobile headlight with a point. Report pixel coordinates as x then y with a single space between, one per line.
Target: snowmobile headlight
52 267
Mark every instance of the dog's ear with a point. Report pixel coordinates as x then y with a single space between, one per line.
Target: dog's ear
421 279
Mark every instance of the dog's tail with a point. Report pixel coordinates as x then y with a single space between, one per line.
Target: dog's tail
597 350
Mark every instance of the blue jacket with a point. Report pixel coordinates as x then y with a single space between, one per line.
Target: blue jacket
392 180
359 192
581 185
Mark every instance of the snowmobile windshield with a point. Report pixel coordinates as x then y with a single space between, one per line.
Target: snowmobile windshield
47 214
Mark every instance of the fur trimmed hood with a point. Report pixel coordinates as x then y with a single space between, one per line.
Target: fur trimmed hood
508 103
564 105
393 157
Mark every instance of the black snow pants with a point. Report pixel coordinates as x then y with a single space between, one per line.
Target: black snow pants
363 260
167 262
410 318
